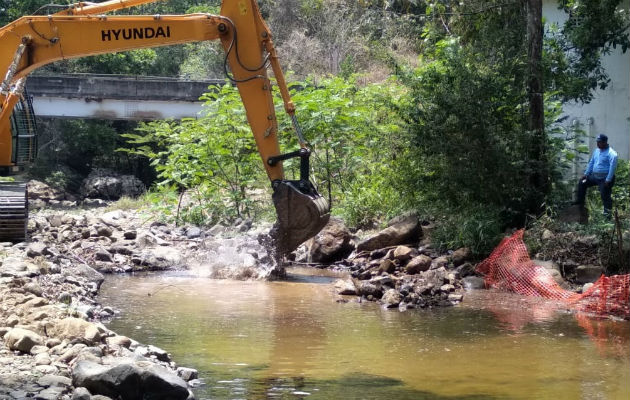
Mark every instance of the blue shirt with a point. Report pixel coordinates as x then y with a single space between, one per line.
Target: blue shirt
602 164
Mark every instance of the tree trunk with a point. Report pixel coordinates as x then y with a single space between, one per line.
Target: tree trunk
539 178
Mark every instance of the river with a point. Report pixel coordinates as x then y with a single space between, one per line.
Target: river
292 339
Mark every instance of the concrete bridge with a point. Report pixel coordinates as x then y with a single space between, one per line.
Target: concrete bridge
116 96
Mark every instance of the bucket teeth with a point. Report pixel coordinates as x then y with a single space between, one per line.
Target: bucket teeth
302 213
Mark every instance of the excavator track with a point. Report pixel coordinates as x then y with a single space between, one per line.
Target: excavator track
13 212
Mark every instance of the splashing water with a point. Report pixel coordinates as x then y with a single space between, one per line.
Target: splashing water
249 255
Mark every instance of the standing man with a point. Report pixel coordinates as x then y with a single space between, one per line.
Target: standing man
600 172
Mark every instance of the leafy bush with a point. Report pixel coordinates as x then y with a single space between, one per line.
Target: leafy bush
215 155
477 227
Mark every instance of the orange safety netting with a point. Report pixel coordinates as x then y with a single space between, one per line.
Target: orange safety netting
510 268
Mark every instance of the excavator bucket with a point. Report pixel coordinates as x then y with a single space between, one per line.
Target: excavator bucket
302 213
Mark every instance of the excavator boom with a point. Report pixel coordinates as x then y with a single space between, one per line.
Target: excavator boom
81 30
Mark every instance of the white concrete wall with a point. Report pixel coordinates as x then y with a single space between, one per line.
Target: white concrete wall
115 109
609 111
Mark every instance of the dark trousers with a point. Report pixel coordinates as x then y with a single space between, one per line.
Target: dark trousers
604 190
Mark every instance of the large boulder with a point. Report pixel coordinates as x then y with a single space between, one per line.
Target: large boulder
106 184
41 191
76 328
333 243
588 273
22 340
404 230
128 380
86 272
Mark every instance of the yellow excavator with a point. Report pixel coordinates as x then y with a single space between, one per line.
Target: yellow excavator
85 29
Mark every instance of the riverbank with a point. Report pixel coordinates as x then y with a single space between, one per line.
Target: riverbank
55 346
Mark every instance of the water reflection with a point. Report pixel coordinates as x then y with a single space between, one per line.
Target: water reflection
291 339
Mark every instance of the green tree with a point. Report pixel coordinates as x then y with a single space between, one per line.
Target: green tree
574 51
214 156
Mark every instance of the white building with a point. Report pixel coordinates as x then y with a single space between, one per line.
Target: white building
609 111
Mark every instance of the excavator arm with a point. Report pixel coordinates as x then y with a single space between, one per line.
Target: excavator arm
33 41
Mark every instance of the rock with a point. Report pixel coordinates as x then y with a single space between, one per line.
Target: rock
104 231
588 241
418 264
447 288
369 289
34 288
52 393
76 328
130 235
333 243
588 273
38 349
553 269
81 393
118 381
216 230
106 184
466 269
161 257
54 380
193 232
455 298
473 282
36 249
34 303
55 220
71 353
121 249
187 374
439 262
22 340
403 253
391 298
587 286
344 287
387 266
93 203
405 231
42 359
12 320
128 380
86 272
119 340
42 191
460 256
547 235
158 353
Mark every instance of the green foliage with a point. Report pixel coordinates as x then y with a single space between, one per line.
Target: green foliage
573 51
370 198
356 136
215 155
467 122
475 227
352 130
57 179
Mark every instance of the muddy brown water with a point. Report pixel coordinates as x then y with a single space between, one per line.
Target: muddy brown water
291 339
